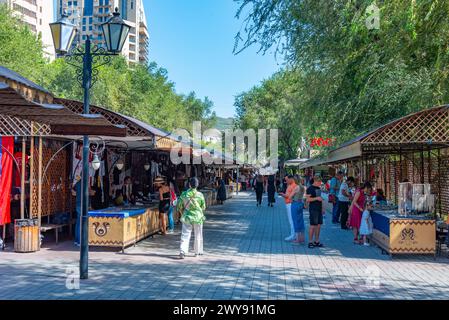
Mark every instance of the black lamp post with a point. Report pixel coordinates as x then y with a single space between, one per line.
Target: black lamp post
87 60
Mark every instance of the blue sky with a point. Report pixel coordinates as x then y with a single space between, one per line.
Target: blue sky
193 40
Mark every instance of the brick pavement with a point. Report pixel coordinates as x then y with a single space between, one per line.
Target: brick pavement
246 258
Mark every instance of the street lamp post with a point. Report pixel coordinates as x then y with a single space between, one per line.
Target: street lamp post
87 60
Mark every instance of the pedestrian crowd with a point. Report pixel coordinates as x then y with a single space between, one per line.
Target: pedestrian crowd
352 204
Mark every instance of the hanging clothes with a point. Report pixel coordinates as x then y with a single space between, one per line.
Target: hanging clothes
6 162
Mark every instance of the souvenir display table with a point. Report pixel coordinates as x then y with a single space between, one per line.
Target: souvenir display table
398 234
122 226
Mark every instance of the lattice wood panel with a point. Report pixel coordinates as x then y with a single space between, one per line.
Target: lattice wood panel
131 128
13 126
165 143
444 191
56 189
421 127
34 179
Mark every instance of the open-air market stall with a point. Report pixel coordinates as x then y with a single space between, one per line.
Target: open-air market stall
127 210
41 138
144 157
412 149
35 169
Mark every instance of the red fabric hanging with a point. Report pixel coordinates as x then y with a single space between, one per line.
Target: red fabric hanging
6 178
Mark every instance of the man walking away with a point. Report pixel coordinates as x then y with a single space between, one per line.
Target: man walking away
313 196
243 182
259 189
335 183
192 205
344 200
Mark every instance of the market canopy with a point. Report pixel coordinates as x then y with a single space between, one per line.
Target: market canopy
422 130
54 119
141 135
27 88
295 162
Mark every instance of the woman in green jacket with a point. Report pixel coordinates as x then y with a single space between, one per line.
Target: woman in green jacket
192 205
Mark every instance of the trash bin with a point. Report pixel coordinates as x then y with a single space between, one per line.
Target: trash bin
26 235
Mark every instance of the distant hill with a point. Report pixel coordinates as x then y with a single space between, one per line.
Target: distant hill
224 123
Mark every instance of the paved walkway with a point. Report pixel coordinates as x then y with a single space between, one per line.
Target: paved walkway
246 258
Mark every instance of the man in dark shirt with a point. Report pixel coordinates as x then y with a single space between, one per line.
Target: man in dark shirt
315 201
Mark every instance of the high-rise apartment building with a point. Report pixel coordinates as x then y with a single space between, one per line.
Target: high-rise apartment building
37 14
88 15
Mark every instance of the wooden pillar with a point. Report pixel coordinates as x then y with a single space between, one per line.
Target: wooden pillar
429 165
385 179
22 180
422 166
439 181
39 183
31 173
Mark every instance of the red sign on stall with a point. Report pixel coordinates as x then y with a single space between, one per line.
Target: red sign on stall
321 142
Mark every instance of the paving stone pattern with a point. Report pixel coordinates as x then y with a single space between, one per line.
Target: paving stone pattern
246 257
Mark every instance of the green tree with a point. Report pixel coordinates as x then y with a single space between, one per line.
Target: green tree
20 49
140 91
275 104
354 78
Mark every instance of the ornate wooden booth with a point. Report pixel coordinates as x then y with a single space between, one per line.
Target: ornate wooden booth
29 114
412 148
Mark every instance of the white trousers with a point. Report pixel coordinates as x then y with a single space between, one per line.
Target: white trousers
290 220
187 233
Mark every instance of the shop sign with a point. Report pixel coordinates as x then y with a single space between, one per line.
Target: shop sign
321 142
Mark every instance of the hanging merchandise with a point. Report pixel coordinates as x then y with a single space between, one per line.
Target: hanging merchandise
372 173
77 160
154 169
17 173
6 161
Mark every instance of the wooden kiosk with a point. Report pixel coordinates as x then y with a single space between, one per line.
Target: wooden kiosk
122 226
414 148
396 234
39 127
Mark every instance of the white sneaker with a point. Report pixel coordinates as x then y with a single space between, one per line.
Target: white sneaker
366 244
290 238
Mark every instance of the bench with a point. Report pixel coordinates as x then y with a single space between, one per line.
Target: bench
48 226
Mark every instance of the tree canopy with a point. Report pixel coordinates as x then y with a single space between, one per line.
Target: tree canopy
349 76
20 49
